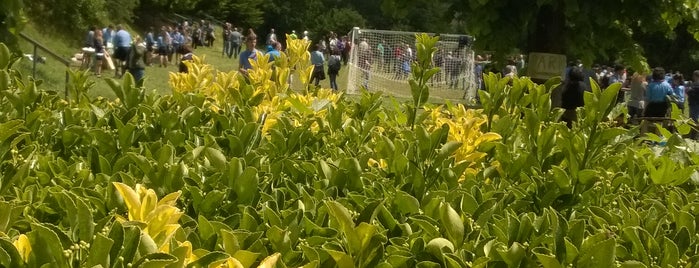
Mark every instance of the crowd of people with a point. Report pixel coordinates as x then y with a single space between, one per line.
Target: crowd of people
132 53
646 96
171 43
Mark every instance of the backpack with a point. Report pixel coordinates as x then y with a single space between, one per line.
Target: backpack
334 64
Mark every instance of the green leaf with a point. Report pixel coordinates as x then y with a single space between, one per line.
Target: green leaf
547 260
246 258
561 177
99 251
155 260
9 128
671 254
428 264
9 256
211 202
431 72
206 230
602 254
230 242
341 214
682 240
438 247
405 203
342 260
513 256
216 158
11 212
686 220
587 176
46 247
245 186
452 223
5 54
448 149
209 258
85 224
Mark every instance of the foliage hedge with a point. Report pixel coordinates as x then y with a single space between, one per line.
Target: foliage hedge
234 171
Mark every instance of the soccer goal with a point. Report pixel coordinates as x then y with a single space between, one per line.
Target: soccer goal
380 61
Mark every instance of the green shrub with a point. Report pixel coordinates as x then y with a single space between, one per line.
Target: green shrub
245 171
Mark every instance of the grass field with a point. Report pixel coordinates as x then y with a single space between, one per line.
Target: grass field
53 72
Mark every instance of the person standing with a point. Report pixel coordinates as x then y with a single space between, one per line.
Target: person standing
693 99
656 94
380 54
273 51
99 53
163 46
108 36
451 65
178 41
271 38
236 42
250 53
572 95
678 90
637 95
619 76
318 62
334 65
88 48
150 44
122 44
226 35
364 64
136 63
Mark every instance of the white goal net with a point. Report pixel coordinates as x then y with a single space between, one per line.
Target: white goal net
380 61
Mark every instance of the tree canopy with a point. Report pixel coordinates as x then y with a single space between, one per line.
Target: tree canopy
634 32
589 30
12 19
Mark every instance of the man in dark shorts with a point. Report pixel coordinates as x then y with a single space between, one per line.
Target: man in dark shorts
122 45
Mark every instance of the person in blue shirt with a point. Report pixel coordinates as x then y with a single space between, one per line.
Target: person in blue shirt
107 35
318 61
249 54
678 90
619 76
178 41
273 51
656 94
122 45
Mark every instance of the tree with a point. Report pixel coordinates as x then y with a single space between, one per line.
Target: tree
12 19
416 15
582 29
71 18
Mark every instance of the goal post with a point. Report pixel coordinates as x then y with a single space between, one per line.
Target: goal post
380 61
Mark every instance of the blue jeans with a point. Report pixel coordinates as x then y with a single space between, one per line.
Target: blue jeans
228 48
333 81
138 76
694 110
